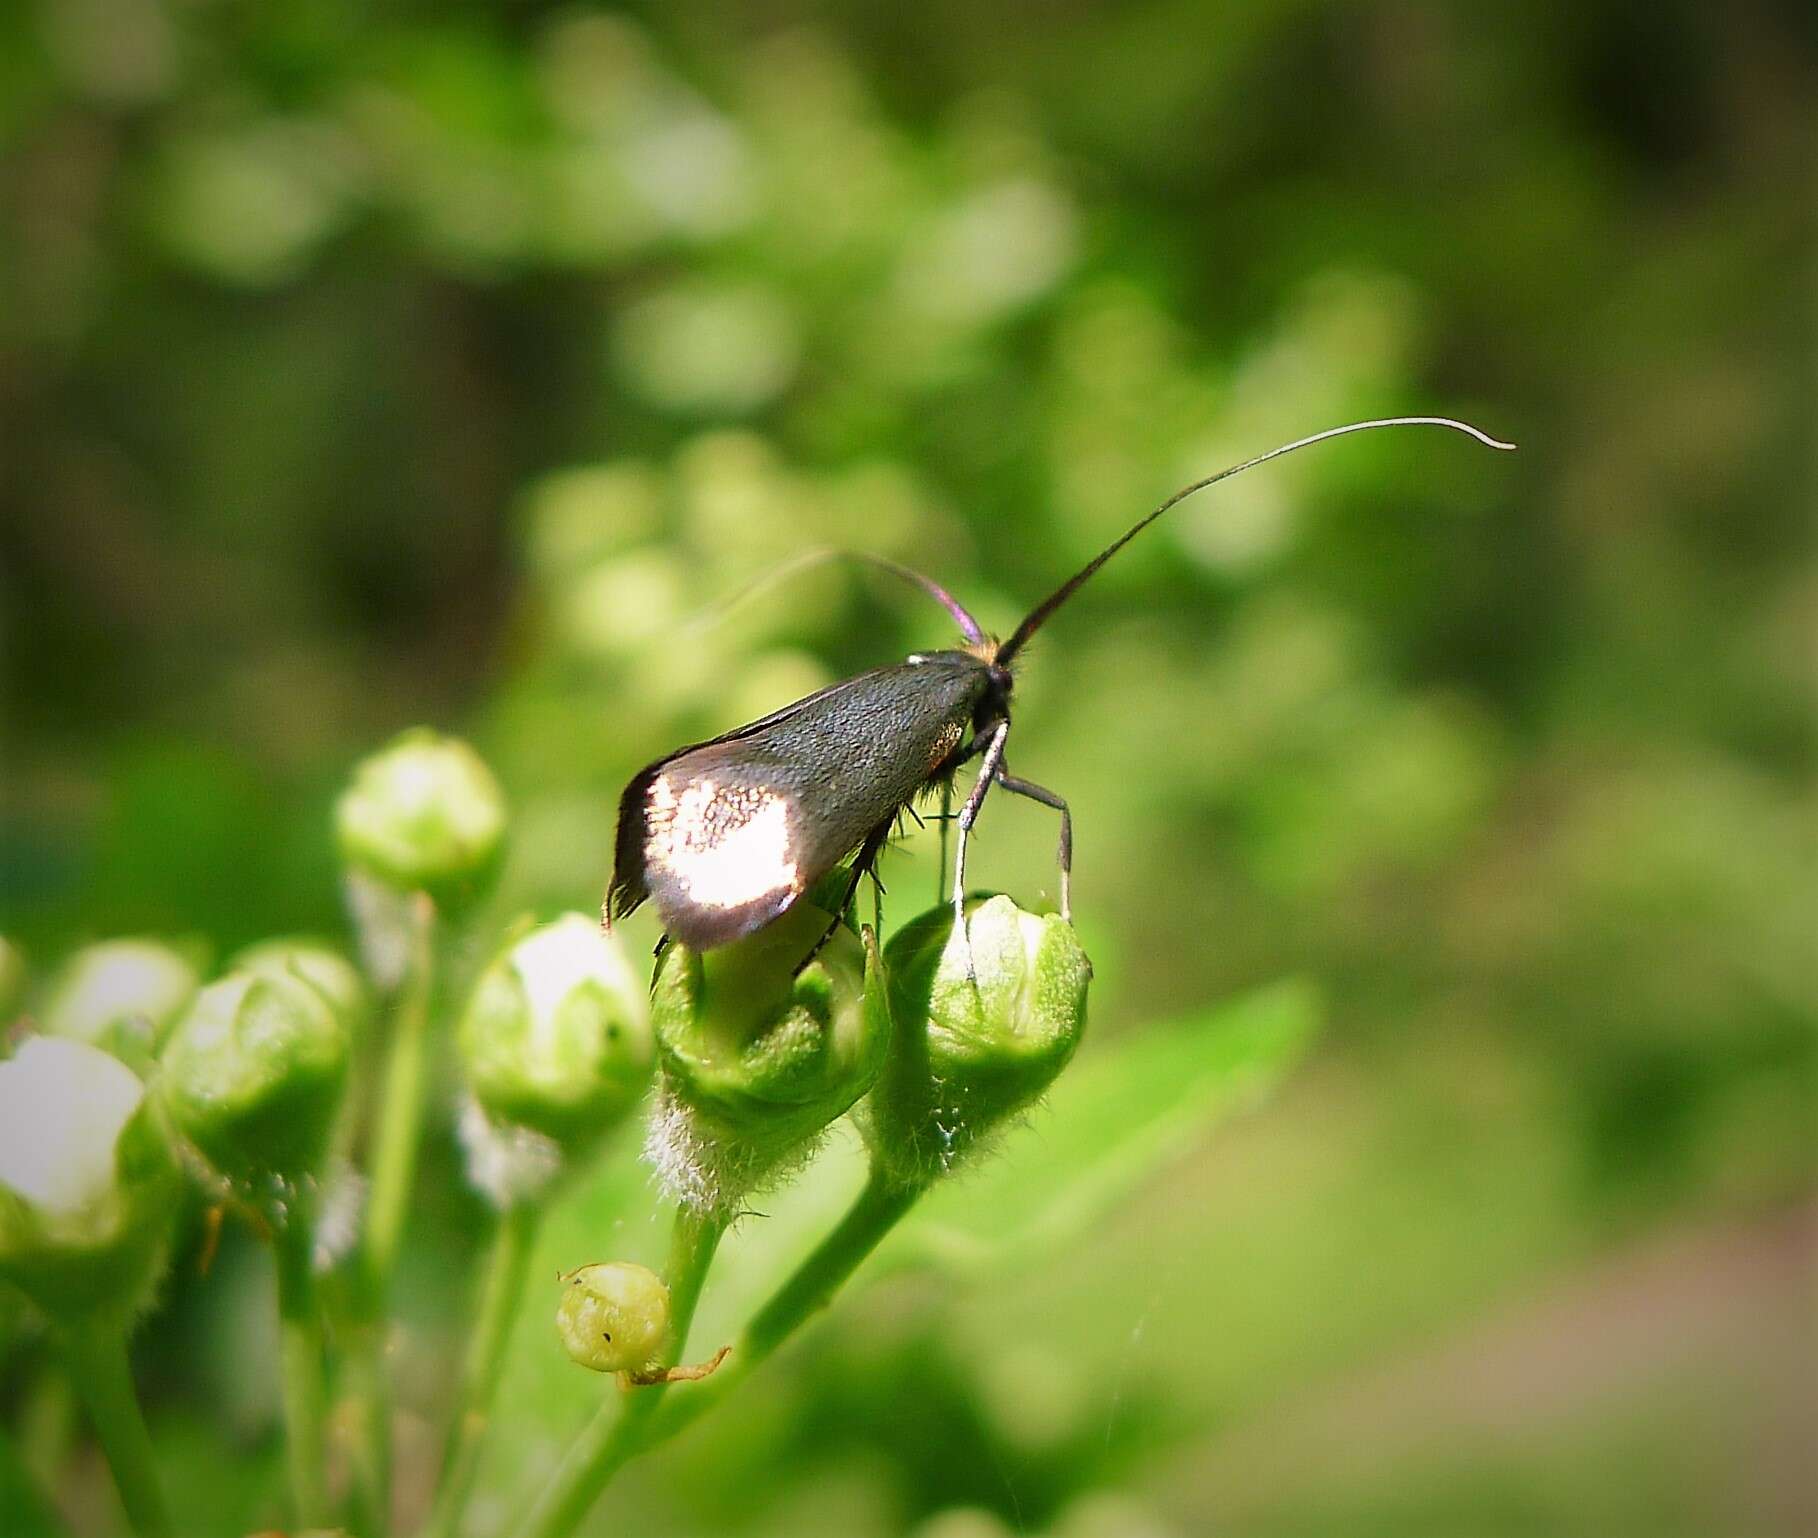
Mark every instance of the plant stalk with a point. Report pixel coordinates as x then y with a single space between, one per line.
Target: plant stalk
501 1294
96 1356
394 1162
876 1210
300 1354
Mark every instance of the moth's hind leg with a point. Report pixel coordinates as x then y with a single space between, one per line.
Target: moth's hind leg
864 864
940 881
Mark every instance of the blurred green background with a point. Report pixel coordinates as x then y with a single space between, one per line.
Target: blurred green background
363 365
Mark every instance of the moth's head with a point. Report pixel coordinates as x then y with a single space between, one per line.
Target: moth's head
986 649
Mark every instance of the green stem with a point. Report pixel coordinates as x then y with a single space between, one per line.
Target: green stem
500 1296
366 1412
46 1422
96 1354
300 1354
877 1209
394 1162
609 1439
400 1124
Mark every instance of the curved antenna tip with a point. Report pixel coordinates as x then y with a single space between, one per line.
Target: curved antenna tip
1464 427
1476 432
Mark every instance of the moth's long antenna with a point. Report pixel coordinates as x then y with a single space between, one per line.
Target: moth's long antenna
1038 616
969 627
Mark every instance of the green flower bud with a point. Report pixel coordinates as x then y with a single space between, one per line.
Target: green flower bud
424 814
87 1181
252 1077
614 1317
975 1043
121 996
556 1038
321 966
755 1063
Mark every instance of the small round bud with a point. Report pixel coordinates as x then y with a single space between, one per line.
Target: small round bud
755 1061
614 1317
424 814
121 996
987 1015
252 1076
321 966
556 1037
87 1182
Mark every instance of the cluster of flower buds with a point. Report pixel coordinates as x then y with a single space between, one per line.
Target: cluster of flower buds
555 1045
757 1060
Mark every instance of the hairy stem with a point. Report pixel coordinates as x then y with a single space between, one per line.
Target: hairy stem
610 1438
500 1296
96 1354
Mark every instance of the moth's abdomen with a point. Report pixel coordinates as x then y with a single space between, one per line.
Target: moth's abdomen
723 837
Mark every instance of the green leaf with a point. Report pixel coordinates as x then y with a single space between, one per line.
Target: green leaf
1114 1120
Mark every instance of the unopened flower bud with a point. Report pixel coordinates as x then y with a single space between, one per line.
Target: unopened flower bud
252 1077
321 966
121 996
424 814
87 1181
987 1016
614 1317
755 1061
556 1037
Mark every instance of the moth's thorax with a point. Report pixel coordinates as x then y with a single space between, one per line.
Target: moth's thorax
975 658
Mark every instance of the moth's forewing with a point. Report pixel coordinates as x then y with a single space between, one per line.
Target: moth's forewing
724 836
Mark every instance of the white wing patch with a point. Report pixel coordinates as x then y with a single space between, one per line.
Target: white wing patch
722 846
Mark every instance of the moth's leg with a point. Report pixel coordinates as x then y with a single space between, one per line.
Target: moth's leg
1047 797
940 883
862 865
988 772
965 756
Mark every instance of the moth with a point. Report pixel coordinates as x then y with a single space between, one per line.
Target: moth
725 836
